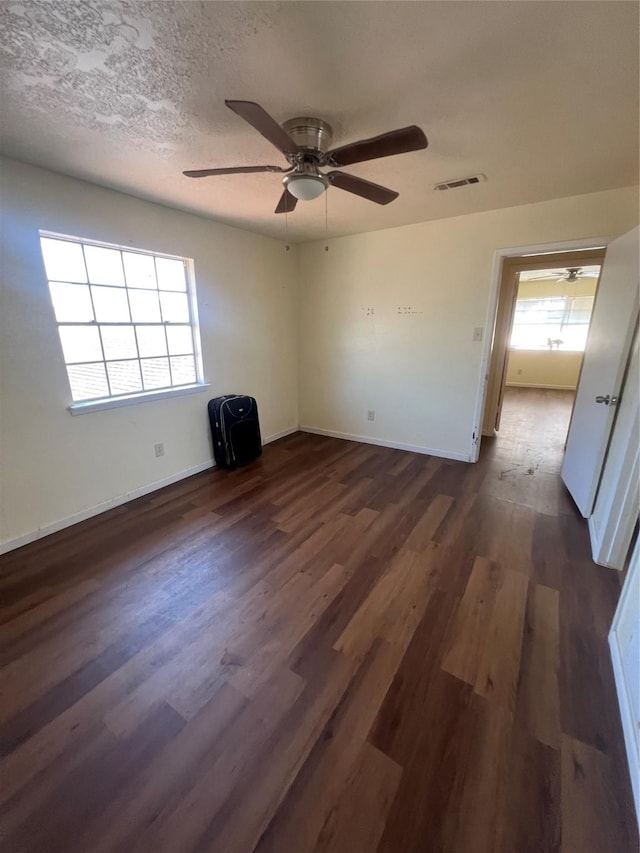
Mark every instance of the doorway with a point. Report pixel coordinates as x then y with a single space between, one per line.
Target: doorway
549 329
595 473
542 319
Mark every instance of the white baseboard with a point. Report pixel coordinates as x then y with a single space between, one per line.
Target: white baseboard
281 434
381 442
54 527
536 385
626 715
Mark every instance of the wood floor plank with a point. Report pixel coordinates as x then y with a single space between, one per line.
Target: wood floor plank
320 637
180 825
457 540
281 637
81 797
291 516
422 533
303 812
531 820
437 756
400 723
538 695
484 787
506 534
589 777
357 819
466 637
169 775
392 609
547 552
265 781
500 664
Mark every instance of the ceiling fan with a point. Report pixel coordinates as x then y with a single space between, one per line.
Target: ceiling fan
305 144
570 274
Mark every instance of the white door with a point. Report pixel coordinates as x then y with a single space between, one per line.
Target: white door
617 505
610 334
624 641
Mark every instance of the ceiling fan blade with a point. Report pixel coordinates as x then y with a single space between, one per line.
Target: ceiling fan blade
287 203
395 142
233 170
264 124
358 186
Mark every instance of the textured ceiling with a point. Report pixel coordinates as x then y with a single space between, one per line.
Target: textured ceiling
542 97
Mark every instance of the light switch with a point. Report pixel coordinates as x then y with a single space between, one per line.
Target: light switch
477 333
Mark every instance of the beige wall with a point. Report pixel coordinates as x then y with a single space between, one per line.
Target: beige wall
544 368
55 466
387 318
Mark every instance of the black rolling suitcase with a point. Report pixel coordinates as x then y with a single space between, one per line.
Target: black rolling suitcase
235 430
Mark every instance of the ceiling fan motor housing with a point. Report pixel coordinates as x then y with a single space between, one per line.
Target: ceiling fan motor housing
312 134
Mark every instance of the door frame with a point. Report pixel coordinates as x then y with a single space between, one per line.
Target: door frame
501 257
507 297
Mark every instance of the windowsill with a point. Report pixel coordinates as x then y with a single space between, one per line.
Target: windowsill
546 349
134 399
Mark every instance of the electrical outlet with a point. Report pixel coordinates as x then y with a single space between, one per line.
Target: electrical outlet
159 449
371 415
477 333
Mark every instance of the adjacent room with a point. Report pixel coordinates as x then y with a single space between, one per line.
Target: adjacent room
547 319
319 420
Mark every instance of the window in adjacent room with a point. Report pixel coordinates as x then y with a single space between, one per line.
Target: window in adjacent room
554 312
127 319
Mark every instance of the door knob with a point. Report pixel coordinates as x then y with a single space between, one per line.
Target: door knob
608 400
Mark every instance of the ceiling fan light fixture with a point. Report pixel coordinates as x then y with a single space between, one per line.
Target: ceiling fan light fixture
305 186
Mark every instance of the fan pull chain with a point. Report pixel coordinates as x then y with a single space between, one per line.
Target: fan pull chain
326 219
287 246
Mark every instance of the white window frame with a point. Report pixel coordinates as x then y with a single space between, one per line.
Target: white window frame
116 400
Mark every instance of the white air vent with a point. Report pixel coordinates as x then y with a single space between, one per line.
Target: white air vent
459 182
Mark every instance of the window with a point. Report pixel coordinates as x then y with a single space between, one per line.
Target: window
555 322
126 318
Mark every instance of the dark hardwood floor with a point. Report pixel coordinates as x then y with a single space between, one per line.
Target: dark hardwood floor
339 648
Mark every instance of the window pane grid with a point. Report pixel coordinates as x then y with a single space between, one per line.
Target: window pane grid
116 323
121 368
552 322
166 343
93 307
86 267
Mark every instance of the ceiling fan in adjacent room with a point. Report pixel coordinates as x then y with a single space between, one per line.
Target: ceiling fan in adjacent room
305 144
569 274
